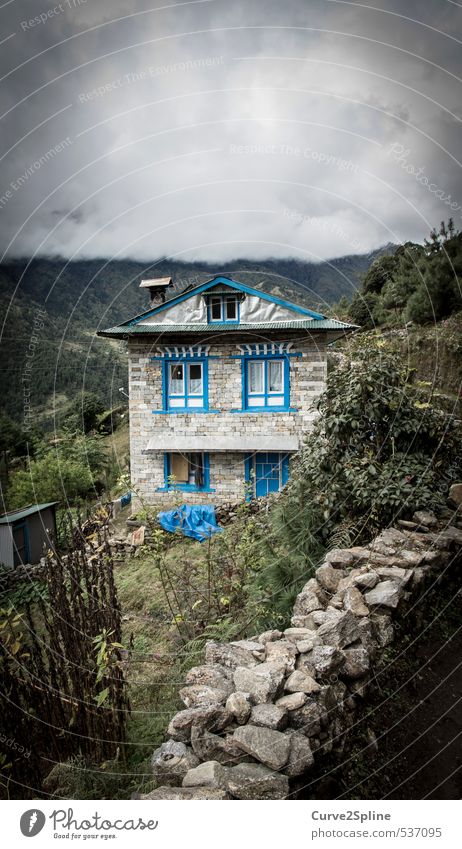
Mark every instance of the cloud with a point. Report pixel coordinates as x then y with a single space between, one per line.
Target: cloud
217 130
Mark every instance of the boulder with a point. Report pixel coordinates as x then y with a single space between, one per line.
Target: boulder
292 702
282 652
366 580
227 655
261 682
326 660
269 747
210 717
455 494
171 761
384 594
239 706
300 682
396 573
269 716
182 793
341 630
300 756
256 648
199 694
382 629
328 577
208 774
269 636
214 747
426 518
357 663
354 602
255 781
306 719
210 675
306 602
296 635
340 557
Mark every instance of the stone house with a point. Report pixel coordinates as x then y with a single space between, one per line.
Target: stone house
223 382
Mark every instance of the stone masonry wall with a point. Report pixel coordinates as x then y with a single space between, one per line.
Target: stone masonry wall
307 381
262 711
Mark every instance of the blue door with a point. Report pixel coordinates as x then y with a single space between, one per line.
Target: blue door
269 470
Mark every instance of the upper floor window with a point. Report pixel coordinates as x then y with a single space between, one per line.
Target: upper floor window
223 308
266 383
185 385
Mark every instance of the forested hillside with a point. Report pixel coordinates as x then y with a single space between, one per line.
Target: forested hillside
52 310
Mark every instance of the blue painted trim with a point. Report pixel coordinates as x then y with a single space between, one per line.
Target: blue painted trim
248 476
266 410
184 410
186 487
185 360
249 466
204 287
223 319
262 356
247 399
285 469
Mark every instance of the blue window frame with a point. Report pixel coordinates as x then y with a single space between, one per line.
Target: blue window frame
266 383
224 309
187 472
185 384
265 472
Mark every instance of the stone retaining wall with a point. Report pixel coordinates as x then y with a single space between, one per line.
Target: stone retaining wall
262 711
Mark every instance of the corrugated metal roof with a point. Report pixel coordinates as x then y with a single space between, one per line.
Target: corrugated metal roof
156 281
15 515
312 325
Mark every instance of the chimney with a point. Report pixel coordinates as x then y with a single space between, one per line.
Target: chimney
157 289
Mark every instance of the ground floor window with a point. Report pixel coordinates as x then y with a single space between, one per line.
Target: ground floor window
266 472
187 471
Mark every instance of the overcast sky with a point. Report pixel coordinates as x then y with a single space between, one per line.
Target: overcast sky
221 129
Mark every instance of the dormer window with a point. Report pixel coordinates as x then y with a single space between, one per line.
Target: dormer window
223 309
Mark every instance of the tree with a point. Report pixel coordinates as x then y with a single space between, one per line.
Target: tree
84 412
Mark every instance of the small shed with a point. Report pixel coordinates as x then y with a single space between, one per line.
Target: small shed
25 533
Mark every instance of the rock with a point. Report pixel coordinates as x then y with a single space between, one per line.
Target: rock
229 656
328 577
255 781
385 594
269 716
292 701
300 682
341 630
306 719
366 580
395 573
357 662
269 636
269 747
304 646
180 793
239 706
210 717
213 747
261 682
255 648
326 660
455 494
309 600
300 756
208 774
211 675
426 518
305 665
340 557
354 602
198 694
171 761
284 652
297 634
382 629
320 617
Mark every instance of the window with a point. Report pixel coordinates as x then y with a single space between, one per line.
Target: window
265 473
188 472
184 386
266 383
223 308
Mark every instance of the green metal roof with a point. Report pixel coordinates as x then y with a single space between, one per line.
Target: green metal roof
313 325
15 515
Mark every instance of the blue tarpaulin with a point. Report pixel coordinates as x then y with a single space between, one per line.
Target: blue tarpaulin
196 521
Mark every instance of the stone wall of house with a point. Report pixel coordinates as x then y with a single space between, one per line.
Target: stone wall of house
263 711
307 381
